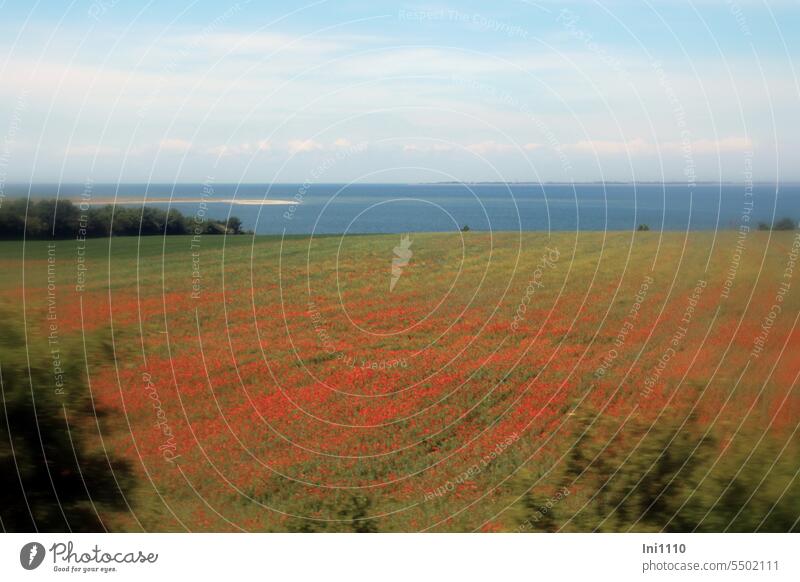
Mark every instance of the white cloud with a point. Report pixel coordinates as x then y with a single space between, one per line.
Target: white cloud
605 147
257 44
490 147
92 150
480 148
246 148
175 145
297 146
447 62
724 145
425 148
639 146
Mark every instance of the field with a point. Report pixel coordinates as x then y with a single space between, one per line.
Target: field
507 382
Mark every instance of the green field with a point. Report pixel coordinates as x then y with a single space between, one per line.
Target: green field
507 382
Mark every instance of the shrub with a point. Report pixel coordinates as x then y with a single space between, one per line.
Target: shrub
784 224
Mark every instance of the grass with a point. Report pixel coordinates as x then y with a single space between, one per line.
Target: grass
295 392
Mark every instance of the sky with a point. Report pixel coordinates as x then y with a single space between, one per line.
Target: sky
373 91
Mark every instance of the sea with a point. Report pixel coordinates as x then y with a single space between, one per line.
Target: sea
400 208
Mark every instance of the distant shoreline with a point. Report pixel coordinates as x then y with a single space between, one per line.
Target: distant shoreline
267 185
127 201
607 183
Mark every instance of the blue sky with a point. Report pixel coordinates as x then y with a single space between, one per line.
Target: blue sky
113 90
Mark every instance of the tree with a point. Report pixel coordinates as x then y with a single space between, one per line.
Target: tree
784 224
234 225
176 222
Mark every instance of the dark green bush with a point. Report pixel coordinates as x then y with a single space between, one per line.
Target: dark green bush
55 476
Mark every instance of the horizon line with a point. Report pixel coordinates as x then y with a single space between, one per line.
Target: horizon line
438 183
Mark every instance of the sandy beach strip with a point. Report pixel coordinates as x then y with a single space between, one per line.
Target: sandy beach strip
130 201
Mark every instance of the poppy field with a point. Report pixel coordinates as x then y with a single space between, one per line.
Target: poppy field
449 382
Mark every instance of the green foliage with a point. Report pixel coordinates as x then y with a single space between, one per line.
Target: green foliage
643 227
235 225
784 224
51 219
666 477
55 479
351 511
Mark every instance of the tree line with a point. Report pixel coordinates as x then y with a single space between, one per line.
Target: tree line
49 218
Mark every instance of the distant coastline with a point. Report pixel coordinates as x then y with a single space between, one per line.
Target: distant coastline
611 183
121 201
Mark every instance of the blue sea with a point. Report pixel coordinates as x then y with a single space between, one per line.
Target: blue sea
393 208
